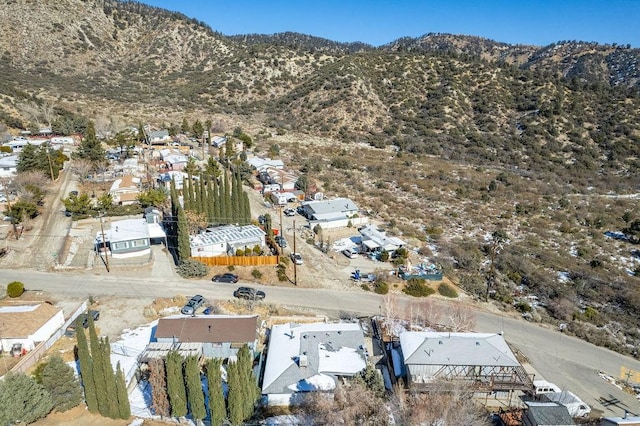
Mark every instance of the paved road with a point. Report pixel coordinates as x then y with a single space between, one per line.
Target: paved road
564 360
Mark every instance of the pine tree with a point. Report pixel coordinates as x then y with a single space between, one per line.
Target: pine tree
23 399
124 406
59 379
184 247
175 385
90 148
98 370
217 409
194 388
110 380
86 370
158 381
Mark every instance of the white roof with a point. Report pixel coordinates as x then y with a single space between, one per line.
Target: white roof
125 230
227 235
441 348
329 349
373 237
22 308
9 161
260 163
156 231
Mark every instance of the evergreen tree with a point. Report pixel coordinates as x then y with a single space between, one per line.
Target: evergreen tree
141 136
186 193
63 386
23 400
217 409
228 204
246 208
86 369
175 202
158 381
194 388
247 380
175 384
90 148
124 406
235 403
236 200
111 395
201 196
184 247
185 126
217 203
98 370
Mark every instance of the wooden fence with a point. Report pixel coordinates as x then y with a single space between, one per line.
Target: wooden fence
239 260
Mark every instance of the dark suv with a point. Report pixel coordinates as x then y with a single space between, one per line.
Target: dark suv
225 278
249 293
192 305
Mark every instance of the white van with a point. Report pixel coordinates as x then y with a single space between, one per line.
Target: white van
542 387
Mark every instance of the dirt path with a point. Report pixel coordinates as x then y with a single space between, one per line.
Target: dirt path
39 247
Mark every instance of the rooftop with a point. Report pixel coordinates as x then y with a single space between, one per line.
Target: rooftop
23 320
208 328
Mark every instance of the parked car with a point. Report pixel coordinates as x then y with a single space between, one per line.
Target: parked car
85 317
281 241
289 212
296 258
192 305
249 293
351 253
225 278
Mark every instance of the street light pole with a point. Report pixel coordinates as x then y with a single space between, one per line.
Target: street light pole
104 245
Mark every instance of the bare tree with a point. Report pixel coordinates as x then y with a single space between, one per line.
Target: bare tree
32 179
81 167
390 313
428 313
158 382
459 318
31 111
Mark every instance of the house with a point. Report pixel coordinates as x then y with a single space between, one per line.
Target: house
154 224
282 198
18 144
179 177
218 141
8 165
546 414
125 191
335 213
482 361
310 357
225 240
374 241
156 137
28 324
126 238
62 140
215 336
176 161
263 164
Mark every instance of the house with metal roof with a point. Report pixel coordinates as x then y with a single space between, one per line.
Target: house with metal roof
334 213
225 240
126 238
481 361
310 357
375 240
212 336
125 190
546 414
263 164
9 165
159 136
28 324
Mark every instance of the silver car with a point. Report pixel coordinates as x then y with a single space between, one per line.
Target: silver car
192 305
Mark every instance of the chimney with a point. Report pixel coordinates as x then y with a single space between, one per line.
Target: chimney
303 361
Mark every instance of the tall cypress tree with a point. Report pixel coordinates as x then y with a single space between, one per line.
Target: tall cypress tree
194 388
247 381
223 218
235 403
217 204
228 204
110 380
246 208
217 408
236 199
186 193
175 202
86 369
184 247
124 407
98 370
175 384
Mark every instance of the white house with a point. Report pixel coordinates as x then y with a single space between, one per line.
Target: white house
375 240
62 140
159 137
335 213
218 141
126 238
175 175
225 240
125 190
263 164
8 165
310 357
18 144
28 324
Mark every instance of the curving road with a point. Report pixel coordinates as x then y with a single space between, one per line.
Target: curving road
569 362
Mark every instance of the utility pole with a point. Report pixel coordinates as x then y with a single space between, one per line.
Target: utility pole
104 245
295 269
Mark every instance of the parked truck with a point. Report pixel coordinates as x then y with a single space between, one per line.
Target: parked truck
575 406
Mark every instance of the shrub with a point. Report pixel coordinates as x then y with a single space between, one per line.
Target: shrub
256 274
417 288
191 268
382 287
447 291
365 287
15 289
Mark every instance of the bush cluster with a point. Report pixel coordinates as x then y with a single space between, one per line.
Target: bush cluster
418 288
15 289
447 291
191 268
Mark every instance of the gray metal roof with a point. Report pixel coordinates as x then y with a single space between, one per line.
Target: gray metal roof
227 235
549 414
438 348
337 205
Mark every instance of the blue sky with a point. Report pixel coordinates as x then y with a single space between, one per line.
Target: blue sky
378 22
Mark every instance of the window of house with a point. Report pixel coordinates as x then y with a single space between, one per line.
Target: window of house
120 246
142 242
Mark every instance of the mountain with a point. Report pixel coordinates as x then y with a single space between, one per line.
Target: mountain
443 138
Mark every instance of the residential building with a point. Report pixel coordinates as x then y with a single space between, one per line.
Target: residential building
627 420
264 164
225 240
481 361
178 176
546 414
212 336
125 190
375 240
335 213
28 324
218 141
126 238
310 357
8 166
159 137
